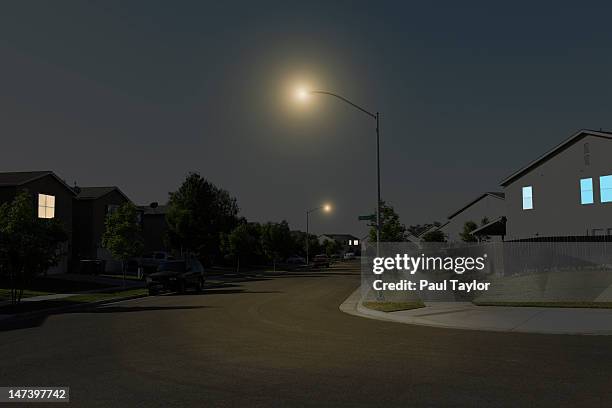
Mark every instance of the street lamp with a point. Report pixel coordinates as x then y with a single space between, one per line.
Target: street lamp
325 208
302 94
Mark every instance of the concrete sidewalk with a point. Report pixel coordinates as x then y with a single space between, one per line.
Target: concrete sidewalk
465 315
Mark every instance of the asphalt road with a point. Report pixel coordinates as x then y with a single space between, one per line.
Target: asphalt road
281 341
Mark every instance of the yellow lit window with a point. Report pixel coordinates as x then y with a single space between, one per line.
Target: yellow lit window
46 206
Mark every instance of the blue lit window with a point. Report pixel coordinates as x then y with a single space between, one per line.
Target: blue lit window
605 189
528 198
586 191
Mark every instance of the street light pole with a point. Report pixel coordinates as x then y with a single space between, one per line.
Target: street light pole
375 116
326 207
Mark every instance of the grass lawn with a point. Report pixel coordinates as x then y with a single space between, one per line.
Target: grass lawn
393 306
593 305
5 294
69 301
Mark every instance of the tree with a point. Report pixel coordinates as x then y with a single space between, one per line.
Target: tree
466 234
243 242
28 245
276 241
199 212
418 229
391 229
332 247
434 236
122 235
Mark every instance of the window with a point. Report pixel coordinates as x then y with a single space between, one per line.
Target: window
46 206
586 191
527 198
605 189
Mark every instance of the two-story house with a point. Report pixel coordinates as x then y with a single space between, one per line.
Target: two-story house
565 192
51 198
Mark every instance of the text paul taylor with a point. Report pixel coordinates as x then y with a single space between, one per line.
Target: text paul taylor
412 264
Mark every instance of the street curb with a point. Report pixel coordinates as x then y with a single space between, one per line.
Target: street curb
353 306
61 309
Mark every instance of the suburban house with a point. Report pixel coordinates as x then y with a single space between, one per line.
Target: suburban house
154 227
91 207
349 242
51 197
488 207
565 192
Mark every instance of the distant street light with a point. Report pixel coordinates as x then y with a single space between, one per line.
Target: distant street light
325 208
302 94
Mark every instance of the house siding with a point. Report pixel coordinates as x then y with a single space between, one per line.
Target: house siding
557 210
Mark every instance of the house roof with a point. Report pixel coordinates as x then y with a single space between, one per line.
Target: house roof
93 193
19 178
340 237
494 194
159 210
554 151
495 227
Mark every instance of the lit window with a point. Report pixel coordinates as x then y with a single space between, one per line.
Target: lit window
527 198
46 206
605 189
356 242
586 191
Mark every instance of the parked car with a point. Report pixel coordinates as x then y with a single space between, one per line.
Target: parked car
177 276
296 260
349 256
149 262
336 258
321 261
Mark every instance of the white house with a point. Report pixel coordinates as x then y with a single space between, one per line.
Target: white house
565 192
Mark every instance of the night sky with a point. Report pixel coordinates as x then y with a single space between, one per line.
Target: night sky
139 94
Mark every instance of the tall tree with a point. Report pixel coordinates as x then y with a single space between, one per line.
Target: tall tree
391 229
122 234
28 245
199 212
243 243
276 241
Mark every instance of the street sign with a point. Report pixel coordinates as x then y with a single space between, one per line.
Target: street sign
370 217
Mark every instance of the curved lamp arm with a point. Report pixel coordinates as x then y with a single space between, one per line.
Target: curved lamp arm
343 99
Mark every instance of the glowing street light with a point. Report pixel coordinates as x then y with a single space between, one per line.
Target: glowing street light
302 94
326 208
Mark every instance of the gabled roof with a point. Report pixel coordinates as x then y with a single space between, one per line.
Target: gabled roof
554 151
93 193
494 194
19 178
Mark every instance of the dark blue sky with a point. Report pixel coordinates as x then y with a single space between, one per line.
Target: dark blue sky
138 94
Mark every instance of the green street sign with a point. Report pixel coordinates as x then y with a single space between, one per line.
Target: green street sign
370 217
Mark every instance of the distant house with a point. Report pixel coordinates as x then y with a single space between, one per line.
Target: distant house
154 227
51 197
350 243
488 206
91 207
565 192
